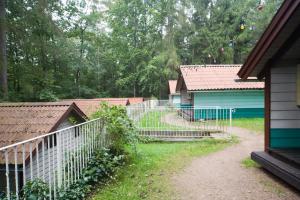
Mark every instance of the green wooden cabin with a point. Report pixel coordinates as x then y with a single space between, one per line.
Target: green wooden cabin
276 58
208 86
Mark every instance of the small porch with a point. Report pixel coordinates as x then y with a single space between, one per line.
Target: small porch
284 163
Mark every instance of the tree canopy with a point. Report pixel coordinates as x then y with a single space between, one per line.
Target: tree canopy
102 48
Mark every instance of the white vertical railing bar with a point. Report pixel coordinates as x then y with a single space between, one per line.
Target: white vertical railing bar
75 160
53 138
71 159
63 159
43 154
80 150
7 175
86 149
77 156
59 160
89 141
24 166
37 159
68 157
31 162
16 172
49 165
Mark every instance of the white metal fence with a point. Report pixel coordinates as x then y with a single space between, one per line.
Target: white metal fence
166 121
57 158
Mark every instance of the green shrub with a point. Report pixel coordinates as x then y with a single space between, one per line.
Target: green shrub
36 189
119 126
102 167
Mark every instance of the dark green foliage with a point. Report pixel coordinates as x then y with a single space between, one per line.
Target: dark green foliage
132 47
118 125
33 190
102 167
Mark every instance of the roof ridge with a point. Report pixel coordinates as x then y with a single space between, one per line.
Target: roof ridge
212 65
34 104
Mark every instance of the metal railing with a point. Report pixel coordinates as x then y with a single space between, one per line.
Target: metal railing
169 121
57 158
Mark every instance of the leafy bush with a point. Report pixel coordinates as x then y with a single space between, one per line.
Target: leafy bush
102 166
34 190
120 128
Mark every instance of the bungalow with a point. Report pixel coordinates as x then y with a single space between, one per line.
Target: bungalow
174 97
203 86
276 58
23 121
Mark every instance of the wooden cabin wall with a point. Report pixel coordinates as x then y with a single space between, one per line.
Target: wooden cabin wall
285 114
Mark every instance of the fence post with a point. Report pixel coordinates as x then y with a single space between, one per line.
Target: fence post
230 118
59 160
7 175
217 116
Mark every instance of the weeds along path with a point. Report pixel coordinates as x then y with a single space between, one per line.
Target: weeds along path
221 175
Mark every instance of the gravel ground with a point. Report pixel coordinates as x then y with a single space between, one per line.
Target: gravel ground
221 176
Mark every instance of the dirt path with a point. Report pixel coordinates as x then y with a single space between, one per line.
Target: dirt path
221 175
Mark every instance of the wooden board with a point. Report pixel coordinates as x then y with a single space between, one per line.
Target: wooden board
283 170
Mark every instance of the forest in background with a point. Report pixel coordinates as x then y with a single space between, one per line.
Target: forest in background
55 49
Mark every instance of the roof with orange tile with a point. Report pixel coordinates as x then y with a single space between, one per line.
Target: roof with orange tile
23 121
215 77
135 100
90 106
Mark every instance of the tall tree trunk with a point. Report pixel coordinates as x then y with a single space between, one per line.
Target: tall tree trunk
3 58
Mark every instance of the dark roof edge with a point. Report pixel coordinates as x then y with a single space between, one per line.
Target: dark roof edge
211 65
226 89
279 20
72 107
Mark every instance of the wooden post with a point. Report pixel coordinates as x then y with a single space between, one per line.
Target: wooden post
267 108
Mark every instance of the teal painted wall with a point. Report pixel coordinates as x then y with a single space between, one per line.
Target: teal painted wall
248 113
285 138
246 103
224 113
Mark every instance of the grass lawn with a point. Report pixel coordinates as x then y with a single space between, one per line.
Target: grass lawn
153 121
148 175
248 163
254 124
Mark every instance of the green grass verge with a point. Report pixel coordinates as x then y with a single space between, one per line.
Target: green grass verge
148 175
153 121
249 163
253 124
